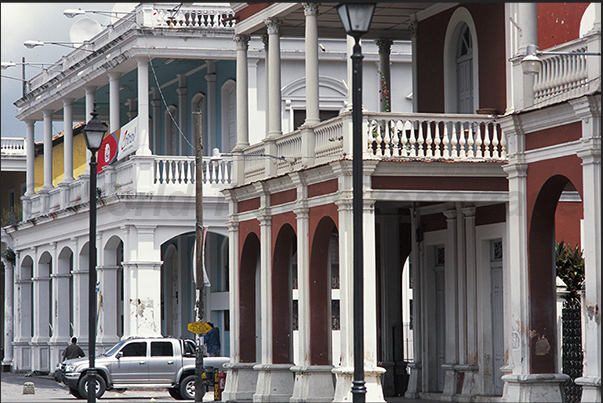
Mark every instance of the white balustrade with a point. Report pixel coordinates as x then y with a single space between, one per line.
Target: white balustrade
14 146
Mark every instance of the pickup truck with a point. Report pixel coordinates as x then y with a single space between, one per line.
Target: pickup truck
152 362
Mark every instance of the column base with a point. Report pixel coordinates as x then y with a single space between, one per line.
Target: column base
372 379
275 383
7 366
460 380
414 382
241 380
591 388
534 387
313 384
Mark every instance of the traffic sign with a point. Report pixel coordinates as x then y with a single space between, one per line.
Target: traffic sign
199 327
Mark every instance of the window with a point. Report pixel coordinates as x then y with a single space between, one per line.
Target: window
162 349
136 349
299 116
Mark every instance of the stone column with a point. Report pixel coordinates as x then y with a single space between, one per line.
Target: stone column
182 114
274 92
156 105
68 140
9 292
590 153
90 102
108 315
114 104
242 44
47 151
29 168
527 15
385 46
212 104
60 315
266 82
80 290
41 314
312 108
143 106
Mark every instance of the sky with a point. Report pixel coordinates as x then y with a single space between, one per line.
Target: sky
35 21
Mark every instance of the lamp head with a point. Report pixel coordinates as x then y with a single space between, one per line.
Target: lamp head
356 17
70 12
33 44
531 63
6 65
94 132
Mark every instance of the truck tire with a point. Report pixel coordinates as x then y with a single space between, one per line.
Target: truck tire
187 388
100 386
75 393
175 393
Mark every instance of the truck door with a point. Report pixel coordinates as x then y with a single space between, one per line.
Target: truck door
132 367
163 362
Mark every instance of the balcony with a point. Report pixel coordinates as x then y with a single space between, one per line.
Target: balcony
419 137
14 151
148 176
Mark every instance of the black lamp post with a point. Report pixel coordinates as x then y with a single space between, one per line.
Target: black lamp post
356 19
94 132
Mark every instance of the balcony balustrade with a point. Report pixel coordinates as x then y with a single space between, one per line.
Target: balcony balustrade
154 175
13 146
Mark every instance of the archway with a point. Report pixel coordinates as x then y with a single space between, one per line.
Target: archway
25 307
248 275
62 283
285 248
111 276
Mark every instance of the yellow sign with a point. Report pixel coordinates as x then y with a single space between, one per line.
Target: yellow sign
199 327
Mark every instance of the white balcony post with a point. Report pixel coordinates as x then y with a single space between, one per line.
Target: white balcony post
527 15
385 47
274 96
312 108
68 140
9 289
47 150
156 104
181 90
30 158
212 103
114 103
143 106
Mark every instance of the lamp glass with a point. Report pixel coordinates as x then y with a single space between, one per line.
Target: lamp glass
356 17
94 132
531 64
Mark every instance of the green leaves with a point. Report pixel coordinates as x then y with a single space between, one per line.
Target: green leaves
570 267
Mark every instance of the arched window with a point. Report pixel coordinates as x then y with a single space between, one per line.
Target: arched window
461 85
229 116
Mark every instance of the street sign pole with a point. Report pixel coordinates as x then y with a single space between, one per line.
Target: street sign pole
200 285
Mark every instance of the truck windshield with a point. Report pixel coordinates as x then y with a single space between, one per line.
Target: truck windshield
115 348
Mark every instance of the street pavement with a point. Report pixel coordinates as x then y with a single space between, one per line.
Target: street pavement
47 390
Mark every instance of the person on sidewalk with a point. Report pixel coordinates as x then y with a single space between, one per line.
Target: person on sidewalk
73 350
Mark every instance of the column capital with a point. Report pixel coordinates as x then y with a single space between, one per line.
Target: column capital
450 214
310 9
67 102
469 212
265 41
241 41
114 76
384 44
274 25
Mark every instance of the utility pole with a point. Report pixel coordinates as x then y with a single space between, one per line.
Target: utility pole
200 281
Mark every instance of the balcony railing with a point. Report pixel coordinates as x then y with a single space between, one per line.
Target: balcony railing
148 175
13 146
387 136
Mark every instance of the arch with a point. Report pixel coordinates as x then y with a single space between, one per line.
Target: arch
170 301
459 19
197 113
320 289
541 276
64 267
282 339
229 115
171 131
26 297
250 255
587 22
113 282
65 261
43 298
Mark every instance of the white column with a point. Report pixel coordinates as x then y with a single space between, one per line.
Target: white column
528 17
30 158
9 289
143 106
156 105
266 82
107 317
114 104
182 113
212 104
90 102
80 289
60 314
274 79
242 44
385 47
68 140
312 107
47 150
471 287
414 49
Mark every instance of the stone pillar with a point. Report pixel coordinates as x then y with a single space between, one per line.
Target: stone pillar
242 44
591 242
80 290
212 104
114 104
9 292
108 315
68 140
143 106
90 102
41 314
156 105
385 99
60 313
312 108
274 96
47 151
182 114
528 15
29 169
266 81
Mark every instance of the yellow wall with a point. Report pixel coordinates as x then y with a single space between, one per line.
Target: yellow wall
58 163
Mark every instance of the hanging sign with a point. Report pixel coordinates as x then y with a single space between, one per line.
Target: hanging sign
128 139
107 154
199 327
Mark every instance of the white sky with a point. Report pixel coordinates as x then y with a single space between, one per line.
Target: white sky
34 21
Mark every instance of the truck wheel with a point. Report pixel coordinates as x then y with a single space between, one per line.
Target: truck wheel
187 388
175 393
75 393
100 386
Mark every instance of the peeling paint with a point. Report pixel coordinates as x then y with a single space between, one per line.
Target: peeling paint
533 333
542 346
592 312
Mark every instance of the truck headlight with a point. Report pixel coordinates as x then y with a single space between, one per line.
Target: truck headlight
70 368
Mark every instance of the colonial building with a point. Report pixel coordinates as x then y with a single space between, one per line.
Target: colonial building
471 189
167 74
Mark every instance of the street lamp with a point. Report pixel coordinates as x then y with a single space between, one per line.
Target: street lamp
71 13
94 132
356 19
74 45
532 64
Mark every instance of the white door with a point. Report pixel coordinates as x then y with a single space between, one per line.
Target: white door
464 63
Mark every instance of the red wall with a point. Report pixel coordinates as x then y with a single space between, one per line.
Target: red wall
558 23
489 22
567 222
